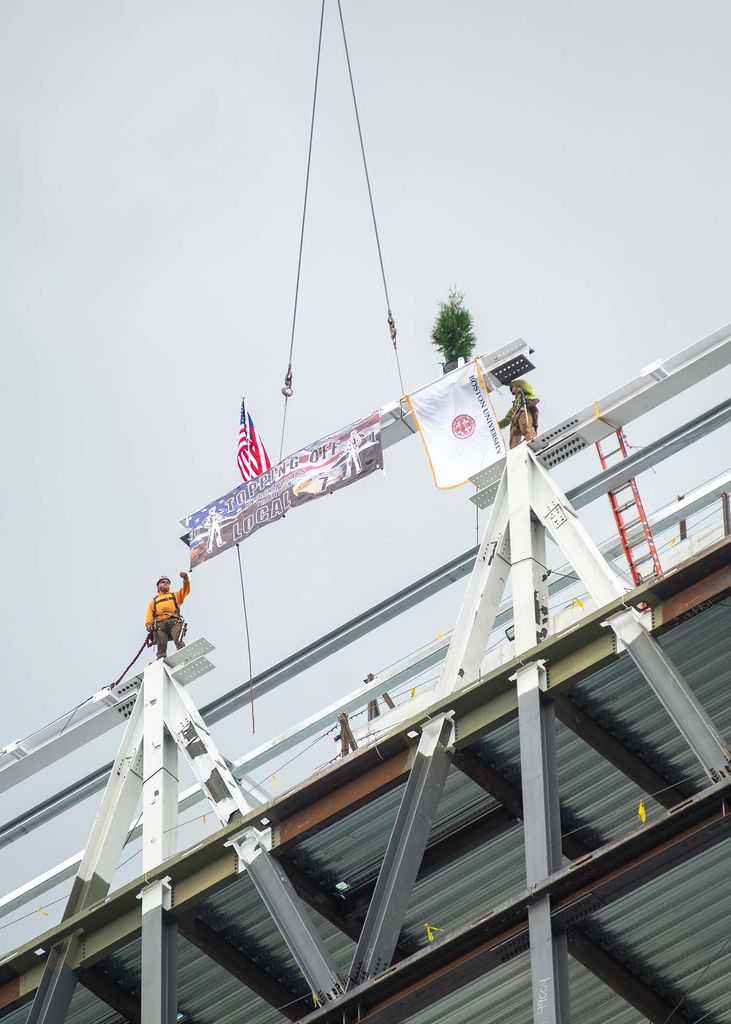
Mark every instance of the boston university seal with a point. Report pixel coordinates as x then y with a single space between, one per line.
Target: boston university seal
463 426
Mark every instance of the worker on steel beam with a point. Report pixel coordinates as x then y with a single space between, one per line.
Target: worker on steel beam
163 619
523 413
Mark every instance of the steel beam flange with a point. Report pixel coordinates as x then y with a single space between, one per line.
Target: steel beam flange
288 913
672 691
405 850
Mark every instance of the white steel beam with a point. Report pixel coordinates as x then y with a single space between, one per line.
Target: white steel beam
484 592
555 511
104 710
637 462
94 876
658 382
160 786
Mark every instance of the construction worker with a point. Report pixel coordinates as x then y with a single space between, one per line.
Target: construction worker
163 618
523 413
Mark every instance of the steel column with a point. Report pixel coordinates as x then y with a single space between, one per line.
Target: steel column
549 964
159 955
159 841
404 853
160 786
539 775
290 916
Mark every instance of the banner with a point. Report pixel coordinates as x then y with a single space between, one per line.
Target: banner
458 425
331 463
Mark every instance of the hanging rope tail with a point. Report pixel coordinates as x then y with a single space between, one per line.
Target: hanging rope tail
390 320
147 642
248 641
287 390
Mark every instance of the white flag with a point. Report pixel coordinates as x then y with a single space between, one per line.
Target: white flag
458 425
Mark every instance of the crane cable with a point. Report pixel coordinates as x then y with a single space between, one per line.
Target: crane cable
390 320
287 389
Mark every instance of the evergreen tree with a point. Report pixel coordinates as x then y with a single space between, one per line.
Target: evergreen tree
452 331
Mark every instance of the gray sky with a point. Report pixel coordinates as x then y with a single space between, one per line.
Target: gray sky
566 165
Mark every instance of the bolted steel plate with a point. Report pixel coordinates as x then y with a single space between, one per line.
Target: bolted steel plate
192 670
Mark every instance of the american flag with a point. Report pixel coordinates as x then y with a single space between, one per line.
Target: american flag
252 457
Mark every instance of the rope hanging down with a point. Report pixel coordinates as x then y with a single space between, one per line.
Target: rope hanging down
248 641
287 389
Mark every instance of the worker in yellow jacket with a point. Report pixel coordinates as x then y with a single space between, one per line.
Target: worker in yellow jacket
163 618
523 413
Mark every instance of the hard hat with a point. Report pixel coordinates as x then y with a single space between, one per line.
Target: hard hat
165 578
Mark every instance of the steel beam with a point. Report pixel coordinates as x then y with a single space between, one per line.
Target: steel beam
662 380
648 456
477 613
103 711
406 846
500 787
159 955
316 896
96 870
606 743
243 968
675 696
555 511
56 989
116 996
636 992
290 916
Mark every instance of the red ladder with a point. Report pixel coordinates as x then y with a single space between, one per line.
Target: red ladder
626 499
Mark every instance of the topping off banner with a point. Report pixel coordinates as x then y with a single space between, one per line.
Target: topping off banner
331 463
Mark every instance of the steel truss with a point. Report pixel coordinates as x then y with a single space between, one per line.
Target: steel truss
527 506
164 721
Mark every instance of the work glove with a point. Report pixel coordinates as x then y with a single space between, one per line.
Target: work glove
149 628
184 575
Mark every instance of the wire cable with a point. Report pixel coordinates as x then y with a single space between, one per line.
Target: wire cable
698 980
390 320
287 389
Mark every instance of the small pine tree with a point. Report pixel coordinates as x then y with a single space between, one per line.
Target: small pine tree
452 331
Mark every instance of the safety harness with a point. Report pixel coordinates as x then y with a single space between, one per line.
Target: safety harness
164 597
